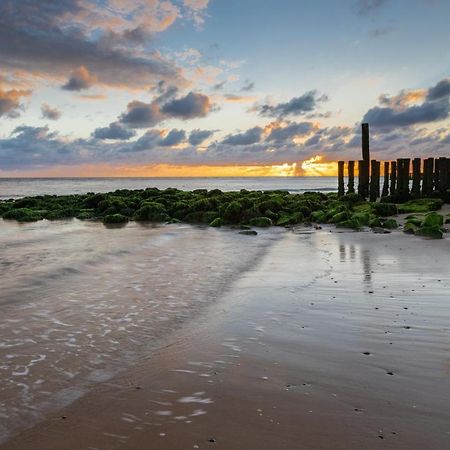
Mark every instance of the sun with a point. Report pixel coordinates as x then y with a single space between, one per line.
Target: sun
317 167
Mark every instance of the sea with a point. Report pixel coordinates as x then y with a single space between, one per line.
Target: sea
23 187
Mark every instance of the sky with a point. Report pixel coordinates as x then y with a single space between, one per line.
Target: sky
219 87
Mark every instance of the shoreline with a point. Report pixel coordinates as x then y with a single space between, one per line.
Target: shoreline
279 360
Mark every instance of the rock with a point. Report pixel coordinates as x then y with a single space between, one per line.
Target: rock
248 232
433 232
385 209
261 222
379 230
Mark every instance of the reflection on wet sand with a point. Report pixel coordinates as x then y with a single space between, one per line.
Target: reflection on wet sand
365 256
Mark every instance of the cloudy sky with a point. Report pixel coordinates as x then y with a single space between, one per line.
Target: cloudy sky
218 87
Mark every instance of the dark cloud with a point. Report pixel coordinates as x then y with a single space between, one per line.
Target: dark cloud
440 91
248 86
364 7
191 106
251 136
145 115
114 131
142 115
197 137
292 130
400 110
297 106
79 79
51 38
147 141
50 113
174 137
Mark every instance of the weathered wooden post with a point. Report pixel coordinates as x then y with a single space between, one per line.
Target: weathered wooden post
416 177
362 183
366 157
393 180
374 180
442 175
400 177
405 182
351 177
385 191
428 177
341 188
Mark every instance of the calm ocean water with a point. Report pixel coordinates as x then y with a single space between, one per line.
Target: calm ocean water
21 187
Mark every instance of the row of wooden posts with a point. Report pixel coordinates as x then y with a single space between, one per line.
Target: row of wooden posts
427 178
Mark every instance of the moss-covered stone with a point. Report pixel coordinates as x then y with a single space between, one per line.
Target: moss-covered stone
433 232
390 224
433 219
261 222
385 209
410 228
421 205
23 215
217 222
151 211
115 219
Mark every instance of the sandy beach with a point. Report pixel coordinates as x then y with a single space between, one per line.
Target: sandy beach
330 340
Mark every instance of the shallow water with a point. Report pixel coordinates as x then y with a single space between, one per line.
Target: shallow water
80 302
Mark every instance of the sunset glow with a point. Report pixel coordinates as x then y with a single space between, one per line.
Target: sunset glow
316 166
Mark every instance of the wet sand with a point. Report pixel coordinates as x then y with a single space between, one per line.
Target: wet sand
331 341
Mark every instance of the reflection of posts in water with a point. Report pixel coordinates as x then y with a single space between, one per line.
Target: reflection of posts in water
365 259
342 253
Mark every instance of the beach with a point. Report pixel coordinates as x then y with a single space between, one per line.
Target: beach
316 339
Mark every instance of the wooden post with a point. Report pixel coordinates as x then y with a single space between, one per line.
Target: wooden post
399 176
366 157
416 177
374 180
351 177
428 178
363 181
341 188
405 182
385 192
443 175
393 180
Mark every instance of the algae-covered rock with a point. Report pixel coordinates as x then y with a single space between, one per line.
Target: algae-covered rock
261 222
290 219
350 223
414 220
339 217
233 212
23 215
434 232
385 209
151 211
115 219
217 222
433 219
410 228
421 205
318 216
390 224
